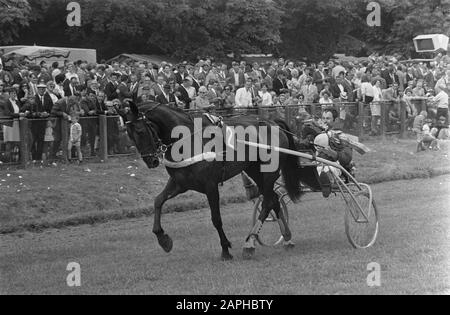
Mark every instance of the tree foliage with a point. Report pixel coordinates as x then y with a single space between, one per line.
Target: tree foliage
313 29
405 19
14 15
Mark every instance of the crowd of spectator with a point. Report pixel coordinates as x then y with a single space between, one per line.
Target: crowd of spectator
74 91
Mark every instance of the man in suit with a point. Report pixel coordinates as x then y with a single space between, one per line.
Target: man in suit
40 111
181 74
390 76
279 83
133 86
184 94
111 88
101 76
158 87
236 76
195 83
70 87
167 97
62 110
319 76
123 89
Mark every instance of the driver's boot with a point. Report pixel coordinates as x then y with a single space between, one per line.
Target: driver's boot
325 184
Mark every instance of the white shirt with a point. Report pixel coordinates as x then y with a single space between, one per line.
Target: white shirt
367 89
441 99
55 73
377 94
244 98
266 98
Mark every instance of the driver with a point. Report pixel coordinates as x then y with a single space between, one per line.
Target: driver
331 149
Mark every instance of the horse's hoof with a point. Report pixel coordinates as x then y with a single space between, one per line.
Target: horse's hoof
227 257
248 253
289 245
166 243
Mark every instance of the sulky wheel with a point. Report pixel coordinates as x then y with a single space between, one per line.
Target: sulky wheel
361 222
270 234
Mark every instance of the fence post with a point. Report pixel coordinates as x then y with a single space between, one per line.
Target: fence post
24 146
103 122
361 119
65 138
287 115
383 119
313 109
402 119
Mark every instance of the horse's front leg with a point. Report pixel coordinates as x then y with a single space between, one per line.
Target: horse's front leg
170 191
214 204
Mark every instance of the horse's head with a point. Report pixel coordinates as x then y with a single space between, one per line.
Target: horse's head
144 134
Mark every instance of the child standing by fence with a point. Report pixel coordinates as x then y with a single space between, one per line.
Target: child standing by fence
48 140
75 138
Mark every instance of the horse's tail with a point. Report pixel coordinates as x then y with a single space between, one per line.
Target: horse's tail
289 169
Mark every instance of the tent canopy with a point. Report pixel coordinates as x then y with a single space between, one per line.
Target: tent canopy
142 58
35 52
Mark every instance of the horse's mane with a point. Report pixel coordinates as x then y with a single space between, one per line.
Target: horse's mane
151 105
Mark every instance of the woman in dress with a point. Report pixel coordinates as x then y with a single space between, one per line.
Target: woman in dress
375 107
202 101
11 130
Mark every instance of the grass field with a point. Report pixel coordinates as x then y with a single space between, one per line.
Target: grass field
38 198
123 257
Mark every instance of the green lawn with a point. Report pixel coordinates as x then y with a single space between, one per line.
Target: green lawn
124 257
95 192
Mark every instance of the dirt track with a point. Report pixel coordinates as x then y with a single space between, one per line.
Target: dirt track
123 257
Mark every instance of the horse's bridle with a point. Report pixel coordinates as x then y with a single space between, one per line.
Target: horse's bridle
161 147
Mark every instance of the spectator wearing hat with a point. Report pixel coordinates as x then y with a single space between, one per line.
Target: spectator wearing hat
40 111
337 69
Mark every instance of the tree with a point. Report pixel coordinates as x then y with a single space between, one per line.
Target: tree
313 28
14 15
183 29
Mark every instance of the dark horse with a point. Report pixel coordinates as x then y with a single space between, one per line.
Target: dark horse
151 126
